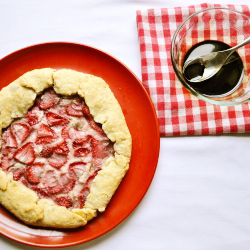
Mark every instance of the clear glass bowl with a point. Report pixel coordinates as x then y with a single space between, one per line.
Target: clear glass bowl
219 24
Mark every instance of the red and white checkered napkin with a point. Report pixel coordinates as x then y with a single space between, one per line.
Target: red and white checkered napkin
178 111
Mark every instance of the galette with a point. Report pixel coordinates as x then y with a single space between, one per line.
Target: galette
64 149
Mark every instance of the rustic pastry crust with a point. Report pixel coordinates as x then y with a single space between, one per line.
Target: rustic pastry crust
17 98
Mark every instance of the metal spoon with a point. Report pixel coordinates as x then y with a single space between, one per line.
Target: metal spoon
212 62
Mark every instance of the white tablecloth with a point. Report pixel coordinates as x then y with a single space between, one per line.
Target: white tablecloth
200 195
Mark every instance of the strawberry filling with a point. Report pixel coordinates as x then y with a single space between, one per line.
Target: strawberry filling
56 150
21 131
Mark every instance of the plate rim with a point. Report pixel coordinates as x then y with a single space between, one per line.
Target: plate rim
157 139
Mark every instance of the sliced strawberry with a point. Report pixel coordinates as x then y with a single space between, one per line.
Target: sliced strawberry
90 179
61 148
63 200
6 163
48 100
33 120
95 126
67 182
26 153
61 111
75 108
77 203
45 135
79 142
86 112
72 112
97 163
7 151
81 198
44 140
47 151
55 119
32 117
51 182
24 182
76 169
34 172
17 174
11 153
80 201
21 130
81 152
9 139
42 193
57 160
77 103
96 149
45 131
101 149
76 134
17 171
64 133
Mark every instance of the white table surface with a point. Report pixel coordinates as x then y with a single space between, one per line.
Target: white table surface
200 195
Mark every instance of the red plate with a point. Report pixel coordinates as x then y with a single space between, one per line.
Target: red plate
141 119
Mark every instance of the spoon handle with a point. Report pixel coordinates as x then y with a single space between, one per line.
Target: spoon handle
228 52
242 44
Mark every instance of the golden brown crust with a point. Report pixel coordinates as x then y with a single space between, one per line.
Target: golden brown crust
38 79
106 182
58 216
18 97
15 101
4 181
66 82
20 200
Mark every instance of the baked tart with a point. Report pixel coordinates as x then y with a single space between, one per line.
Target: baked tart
65 147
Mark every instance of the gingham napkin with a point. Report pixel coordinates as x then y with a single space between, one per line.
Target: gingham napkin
179 112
